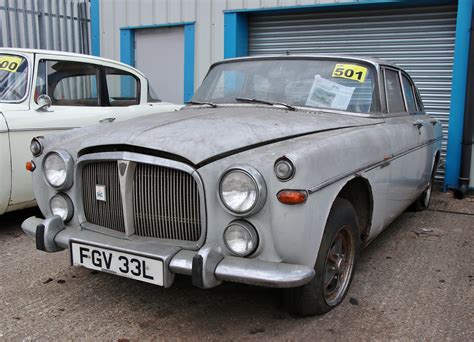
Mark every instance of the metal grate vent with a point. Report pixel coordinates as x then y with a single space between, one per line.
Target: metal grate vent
108 213
166 204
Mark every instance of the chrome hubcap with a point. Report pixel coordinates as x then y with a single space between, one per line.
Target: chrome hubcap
427 196
339 265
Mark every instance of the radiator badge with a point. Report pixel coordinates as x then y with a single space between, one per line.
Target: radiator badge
100 193
122 167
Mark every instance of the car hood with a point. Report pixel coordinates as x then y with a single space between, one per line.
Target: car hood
200 135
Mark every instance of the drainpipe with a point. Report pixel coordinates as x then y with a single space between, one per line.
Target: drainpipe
466 151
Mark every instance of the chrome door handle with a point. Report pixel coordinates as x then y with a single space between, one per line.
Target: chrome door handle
107 120
418 124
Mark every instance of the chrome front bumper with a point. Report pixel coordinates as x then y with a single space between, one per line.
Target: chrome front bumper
208 266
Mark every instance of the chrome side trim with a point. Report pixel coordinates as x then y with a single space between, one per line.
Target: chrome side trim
3 131
370 166
42 129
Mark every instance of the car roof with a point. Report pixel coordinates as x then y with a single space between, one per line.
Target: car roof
70 54
372 60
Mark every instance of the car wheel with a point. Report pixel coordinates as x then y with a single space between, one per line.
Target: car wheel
423 202
334 266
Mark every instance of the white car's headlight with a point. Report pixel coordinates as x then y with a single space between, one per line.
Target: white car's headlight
58 169
242 190
62 206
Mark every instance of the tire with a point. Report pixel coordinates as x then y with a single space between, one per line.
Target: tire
316 298
423 202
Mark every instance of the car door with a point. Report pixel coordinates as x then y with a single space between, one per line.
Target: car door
426 129
407 157
16 74
5 166
73 85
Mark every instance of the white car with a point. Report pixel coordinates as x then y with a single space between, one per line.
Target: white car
43 91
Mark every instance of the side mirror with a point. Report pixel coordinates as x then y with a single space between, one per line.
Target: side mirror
44 102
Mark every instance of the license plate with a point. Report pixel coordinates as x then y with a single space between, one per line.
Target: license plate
123 264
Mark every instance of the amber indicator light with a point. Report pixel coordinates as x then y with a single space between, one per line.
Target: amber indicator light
292 196
30 166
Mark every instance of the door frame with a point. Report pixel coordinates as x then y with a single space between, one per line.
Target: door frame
127 50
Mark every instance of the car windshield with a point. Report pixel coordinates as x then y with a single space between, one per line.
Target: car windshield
13 78
328 84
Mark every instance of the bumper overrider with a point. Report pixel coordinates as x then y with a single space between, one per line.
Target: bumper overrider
207 266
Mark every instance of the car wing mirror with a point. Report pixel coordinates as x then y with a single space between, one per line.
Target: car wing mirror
44 103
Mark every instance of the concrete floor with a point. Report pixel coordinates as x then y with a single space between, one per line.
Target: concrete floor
407 286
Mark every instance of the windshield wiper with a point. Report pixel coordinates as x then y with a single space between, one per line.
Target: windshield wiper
270 103
210 104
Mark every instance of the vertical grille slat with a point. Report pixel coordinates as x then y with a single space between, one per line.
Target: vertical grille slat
166 203
107 214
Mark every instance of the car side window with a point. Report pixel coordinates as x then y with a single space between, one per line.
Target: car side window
409 94
68 83
393 90
123 88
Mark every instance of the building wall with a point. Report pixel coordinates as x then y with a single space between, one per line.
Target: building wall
54 25
208 15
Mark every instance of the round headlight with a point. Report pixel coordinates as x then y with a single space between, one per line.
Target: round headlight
57 168
242 190
36 147
62 206
284 169
241 238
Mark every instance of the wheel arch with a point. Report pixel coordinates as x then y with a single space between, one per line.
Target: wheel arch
358 192
436 161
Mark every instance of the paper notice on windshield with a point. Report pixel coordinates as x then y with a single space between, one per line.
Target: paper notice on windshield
327 94
10 63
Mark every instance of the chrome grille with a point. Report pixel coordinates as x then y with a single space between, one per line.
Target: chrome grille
107 213
166 204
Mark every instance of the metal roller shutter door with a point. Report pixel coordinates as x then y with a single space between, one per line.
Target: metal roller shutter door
419 39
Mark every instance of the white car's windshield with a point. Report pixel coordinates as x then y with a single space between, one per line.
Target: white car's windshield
331 84
13 78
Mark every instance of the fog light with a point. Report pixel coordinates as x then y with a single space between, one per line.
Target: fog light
62 206
241 238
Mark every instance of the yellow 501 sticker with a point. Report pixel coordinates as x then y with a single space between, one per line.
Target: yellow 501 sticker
350 71
10 63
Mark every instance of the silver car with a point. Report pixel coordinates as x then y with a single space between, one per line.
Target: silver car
277 173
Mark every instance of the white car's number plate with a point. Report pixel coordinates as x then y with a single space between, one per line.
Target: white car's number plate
123 264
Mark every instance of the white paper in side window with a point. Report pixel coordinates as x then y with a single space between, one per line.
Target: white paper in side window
327 94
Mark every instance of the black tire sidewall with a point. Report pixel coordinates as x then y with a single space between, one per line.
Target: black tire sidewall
309 299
